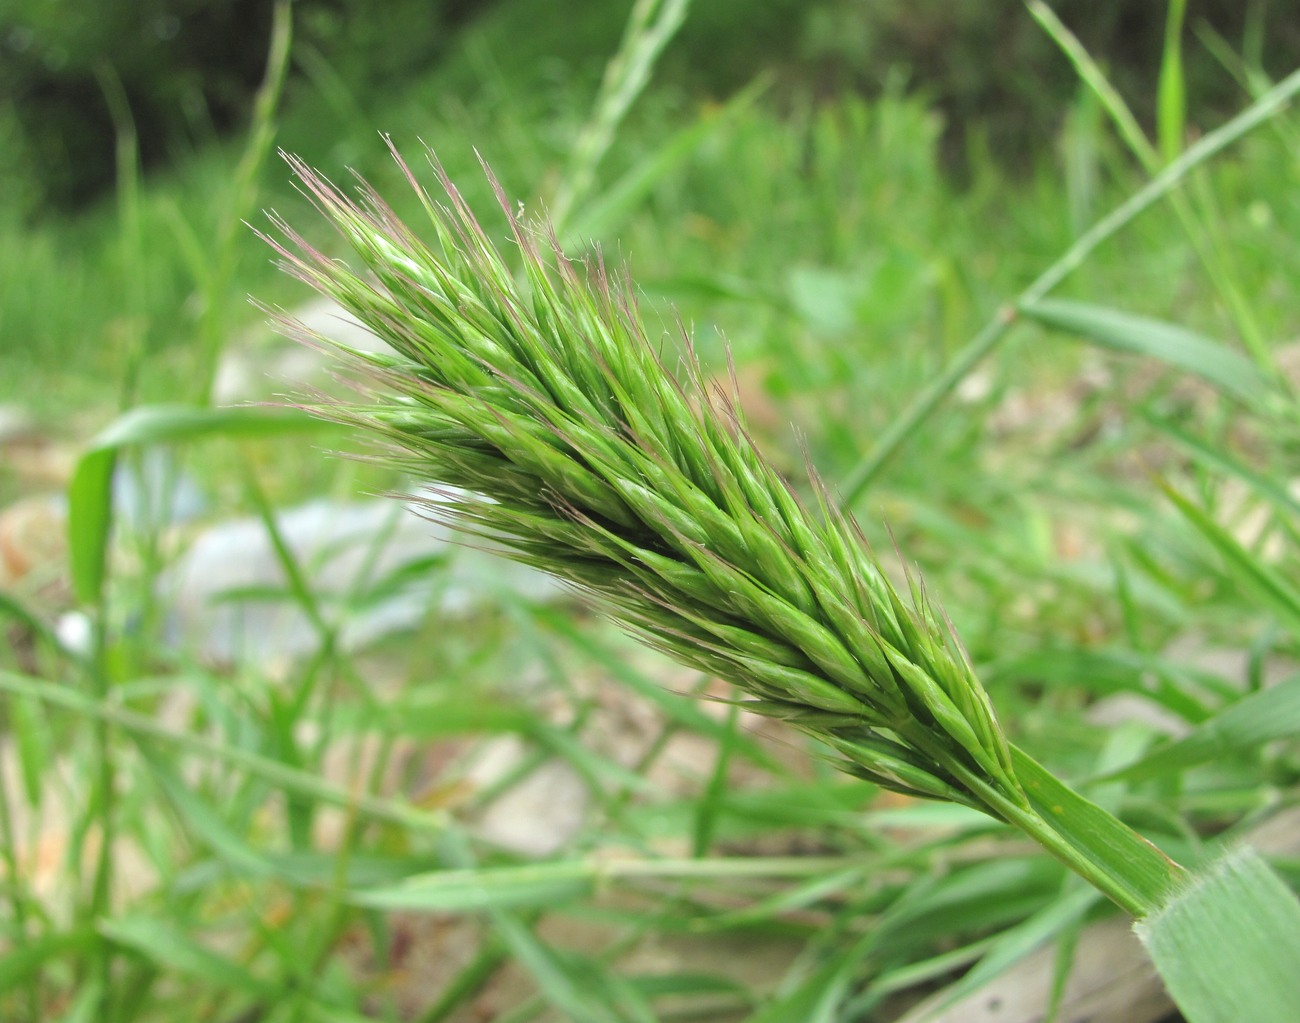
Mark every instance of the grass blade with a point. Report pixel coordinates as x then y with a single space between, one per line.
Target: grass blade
1226 947
1261 717
274 772
543 884
1017 942
990 336
167 945
1171 101
596 217
1091 74
565 988
205 823
1150 874
19 965
819 998
1266 487
1273 591
90 501
651 26
1140 335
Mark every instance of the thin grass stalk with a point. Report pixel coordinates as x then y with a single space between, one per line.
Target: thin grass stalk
545 422
102 808
1152 157
888 444
126 154
18 892
651 25
261 137
143 727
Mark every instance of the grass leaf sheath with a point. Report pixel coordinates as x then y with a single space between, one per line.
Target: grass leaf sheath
545 419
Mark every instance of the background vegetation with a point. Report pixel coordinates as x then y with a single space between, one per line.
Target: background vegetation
850 197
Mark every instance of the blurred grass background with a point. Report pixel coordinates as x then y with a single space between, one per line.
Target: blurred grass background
846 194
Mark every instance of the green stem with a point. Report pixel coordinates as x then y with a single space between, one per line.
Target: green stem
243 192
1093 843
18 891
276 773
857 481
102 805
1097 846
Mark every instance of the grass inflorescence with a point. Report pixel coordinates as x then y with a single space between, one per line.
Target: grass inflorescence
549 423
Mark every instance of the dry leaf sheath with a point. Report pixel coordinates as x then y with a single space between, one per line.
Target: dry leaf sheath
548 419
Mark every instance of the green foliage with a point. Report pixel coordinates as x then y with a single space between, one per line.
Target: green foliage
189 840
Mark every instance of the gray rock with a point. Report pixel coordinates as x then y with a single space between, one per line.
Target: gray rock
373 568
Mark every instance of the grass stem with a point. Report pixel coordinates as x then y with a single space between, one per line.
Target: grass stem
924 404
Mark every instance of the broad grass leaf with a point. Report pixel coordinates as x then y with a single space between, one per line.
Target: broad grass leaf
90 500
1226 946
1175 346
1261 717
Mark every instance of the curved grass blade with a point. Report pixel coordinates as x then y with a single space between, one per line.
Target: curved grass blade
1217 458
651 26
90 503
598 215
1140 335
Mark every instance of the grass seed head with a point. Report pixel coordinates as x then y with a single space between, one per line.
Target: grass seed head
538 408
